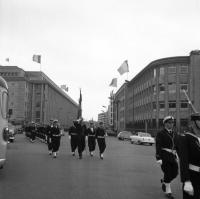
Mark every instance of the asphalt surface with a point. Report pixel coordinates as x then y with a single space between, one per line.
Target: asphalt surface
127 171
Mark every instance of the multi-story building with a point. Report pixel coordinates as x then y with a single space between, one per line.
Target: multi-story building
103 117
35 97
157 91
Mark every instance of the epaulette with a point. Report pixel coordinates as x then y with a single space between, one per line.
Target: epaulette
191 134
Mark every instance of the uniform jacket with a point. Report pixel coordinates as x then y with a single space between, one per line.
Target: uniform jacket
189 153
90 132
72 131
55 131
100 132
164 139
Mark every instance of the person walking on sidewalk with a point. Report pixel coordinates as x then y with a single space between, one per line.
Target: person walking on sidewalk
91 138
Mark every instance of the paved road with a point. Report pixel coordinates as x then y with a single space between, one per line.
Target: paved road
127 171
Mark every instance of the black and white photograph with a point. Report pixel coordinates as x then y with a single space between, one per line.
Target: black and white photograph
99 99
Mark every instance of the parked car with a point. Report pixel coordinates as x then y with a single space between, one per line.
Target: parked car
111 133
124 135
11 135
142 138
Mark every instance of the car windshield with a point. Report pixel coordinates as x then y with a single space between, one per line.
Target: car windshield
144 135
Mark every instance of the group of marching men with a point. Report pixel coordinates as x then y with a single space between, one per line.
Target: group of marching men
79 135
175 150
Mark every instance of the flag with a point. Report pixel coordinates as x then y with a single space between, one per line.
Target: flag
37 58
64 87
113 82
123 68
7 59
79 115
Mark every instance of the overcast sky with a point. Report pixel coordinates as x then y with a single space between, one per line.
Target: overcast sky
83 42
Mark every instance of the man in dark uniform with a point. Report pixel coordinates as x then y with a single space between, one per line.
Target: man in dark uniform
32 131
189 155
73 137
91 138
55 136
100 136
48 136
166 145
81 132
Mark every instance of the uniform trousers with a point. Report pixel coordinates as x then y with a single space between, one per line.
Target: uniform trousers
74 142
102 144
170 170
55 143
91 143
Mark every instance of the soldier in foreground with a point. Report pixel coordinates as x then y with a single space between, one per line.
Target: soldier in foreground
100 135
166 145
189 154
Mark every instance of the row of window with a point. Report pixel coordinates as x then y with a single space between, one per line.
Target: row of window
9 74
171 104
171 87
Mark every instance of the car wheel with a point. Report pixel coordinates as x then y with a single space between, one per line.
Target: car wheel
131 142
139 142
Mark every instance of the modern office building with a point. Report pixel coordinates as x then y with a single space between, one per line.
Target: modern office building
157 91
35 97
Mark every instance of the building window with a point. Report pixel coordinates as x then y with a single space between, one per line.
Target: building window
172 104
154 105
37 114
161 87
184 104
162 71
37 104
171 69
154 73
162 105
183 69
184 87
172 87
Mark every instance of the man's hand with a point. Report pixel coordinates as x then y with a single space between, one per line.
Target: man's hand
159 162
69 137
188 188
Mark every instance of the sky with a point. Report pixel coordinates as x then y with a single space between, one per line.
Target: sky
84 42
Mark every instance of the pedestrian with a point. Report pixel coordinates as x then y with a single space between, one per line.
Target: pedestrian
100 136
189 155
81 132
91 138
166 145
49 136
55 137
73 137
32 131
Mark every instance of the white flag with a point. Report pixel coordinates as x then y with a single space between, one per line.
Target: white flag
123 68
113 82
37 58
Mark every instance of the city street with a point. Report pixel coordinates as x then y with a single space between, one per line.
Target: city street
128 171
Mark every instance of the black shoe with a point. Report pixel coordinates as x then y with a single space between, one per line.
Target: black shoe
80 156
73 153
169 195
163 185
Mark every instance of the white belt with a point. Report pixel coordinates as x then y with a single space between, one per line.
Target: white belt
100 137
91 135
73 134
169 150
194 168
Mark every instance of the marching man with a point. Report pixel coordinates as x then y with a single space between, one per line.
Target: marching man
166 154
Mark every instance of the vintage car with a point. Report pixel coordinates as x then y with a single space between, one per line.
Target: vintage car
124 135
142 138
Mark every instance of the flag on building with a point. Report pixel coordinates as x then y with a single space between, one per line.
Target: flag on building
113 82
79 115
37 58
64 87
123 68
7 59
